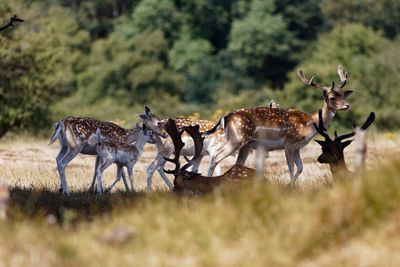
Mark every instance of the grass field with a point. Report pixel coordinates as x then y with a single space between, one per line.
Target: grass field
352 223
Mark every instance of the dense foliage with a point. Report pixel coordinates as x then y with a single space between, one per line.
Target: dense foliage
106 58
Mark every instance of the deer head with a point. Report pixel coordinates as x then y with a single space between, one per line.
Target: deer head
334 96
332 150
153 122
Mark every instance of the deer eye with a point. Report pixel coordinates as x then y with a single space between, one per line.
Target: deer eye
331 99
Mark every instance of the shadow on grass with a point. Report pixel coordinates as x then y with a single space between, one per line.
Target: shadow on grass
33 203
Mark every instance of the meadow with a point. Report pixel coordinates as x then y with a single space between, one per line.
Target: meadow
352 222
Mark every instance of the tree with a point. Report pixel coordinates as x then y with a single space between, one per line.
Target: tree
36 64
381 15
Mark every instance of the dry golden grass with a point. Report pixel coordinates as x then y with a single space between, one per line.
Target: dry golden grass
354 223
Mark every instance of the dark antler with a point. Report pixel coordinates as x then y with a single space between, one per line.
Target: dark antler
194 132
11 23
363 127
321 128
311 82
176 136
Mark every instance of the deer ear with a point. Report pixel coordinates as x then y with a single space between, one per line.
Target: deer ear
321 143
347 93
144 116
146 109
346 143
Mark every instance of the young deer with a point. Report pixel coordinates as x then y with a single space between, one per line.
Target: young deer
123 154
189 181
332 150
278 128
76 135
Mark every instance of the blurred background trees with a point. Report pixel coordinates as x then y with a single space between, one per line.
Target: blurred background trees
106 58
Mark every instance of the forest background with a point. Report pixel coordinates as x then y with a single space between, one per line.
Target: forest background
107 58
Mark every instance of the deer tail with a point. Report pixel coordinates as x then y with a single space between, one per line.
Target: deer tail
58 129
219 125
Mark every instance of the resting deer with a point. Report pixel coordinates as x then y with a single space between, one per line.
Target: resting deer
123 154
76 135
189 181
287 129
332 150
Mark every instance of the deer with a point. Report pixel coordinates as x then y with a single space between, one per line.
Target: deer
165 146
121 153
14 20
76 135
332 149
278 128
192 182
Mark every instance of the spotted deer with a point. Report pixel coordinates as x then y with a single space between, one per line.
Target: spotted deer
192 182
165 146
76 135
332 149
278 128
121 153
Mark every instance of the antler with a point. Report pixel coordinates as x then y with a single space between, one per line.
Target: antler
172 130
366 124
321 128
194 132
343 77
311 82
13 20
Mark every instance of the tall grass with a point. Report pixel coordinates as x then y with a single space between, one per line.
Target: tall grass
249 226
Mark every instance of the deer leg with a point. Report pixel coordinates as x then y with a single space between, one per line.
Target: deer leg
299 164
91 188
196 164
130 174
150 172
70 155
60 156
104 164
117 178
290 162
243 154
124 180
222 152
165 178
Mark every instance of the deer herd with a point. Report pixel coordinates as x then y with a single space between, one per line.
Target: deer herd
235 134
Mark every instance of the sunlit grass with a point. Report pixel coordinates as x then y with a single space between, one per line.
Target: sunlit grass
351 223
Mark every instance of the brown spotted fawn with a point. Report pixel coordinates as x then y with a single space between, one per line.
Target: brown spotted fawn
332 149
278 128
192 182
123 154
76 135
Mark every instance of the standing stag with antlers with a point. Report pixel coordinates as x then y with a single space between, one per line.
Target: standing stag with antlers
332 149
286 129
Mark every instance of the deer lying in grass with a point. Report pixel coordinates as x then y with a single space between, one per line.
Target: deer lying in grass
76 135
165 147
287 129
192 182
123 154
332 150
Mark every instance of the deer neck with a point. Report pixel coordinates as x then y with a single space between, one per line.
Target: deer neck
339 168
141 141
327 115
132 135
